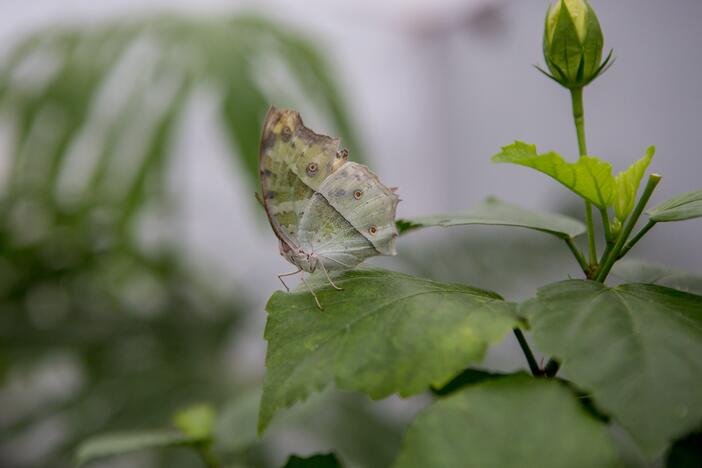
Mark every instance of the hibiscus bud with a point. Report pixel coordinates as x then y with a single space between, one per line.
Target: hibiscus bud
573 43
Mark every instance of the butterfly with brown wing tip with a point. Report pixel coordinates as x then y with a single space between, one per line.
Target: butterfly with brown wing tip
327 212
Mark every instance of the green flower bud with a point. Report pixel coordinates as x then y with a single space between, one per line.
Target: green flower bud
573 43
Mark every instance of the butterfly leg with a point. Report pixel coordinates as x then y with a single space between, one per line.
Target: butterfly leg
316 299
326 273
280 277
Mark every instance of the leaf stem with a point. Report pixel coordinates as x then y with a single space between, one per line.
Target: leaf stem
552 367
533 366
207 456
605 225
576 95
578 255
590 234
614 254
636 238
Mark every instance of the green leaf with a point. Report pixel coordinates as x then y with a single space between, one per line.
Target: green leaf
589 177
385 333
327 460
640 271
515 421
637 348
496 212
404 226
628 182
117 444
685 206
196 421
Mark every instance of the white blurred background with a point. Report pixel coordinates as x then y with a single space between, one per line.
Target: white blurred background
435 88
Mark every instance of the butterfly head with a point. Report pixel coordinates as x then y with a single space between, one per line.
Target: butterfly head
298 257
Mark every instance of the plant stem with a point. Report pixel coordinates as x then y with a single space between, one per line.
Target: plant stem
614 254
576 96
636 238
590 234
578 256
533 366
551 368
208 458
579 118
605 225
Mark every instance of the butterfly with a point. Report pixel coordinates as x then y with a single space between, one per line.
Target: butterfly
327 212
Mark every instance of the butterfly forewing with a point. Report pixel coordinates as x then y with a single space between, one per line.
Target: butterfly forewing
294 161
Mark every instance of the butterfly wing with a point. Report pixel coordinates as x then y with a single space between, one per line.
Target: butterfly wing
350 218
293 163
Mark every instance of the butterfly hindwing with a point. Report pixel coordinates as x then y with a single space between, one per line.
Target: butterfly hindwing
359 196
294 161
355 196
333 238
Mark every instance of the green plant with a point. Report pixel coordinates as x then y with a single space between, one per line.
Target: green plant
628 355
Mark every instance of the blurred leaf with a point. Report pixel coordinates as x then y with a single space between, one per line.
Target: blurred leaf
515 421
235 428
196 421
496 212
93 130
385 333
118 444
640 271
225 54
589 177
327 460
685 206
627 184
637 348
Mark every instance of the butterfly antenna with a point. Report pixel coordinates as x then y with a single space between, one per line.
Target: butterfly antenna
316 299
326 273
280 277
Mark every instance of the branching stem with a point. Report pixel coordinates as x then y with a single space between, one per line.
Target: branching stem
636 238
614 254
533 366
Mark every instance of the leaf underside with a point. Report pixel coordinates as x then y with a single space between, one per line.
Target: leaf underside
640 271
637 348
685 206
385 333
496 212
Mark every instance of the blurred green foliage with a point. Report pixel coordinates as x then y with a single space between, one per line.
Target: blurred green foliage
99 329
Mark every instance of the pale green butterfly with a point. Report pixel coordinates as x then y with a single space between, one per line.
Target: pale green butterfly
326 211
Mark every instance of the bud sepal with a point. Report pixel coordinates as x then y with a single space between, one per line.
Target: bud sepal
573 44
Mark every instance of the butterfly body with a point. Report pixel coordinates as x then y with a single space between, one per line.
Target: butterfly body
324 209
